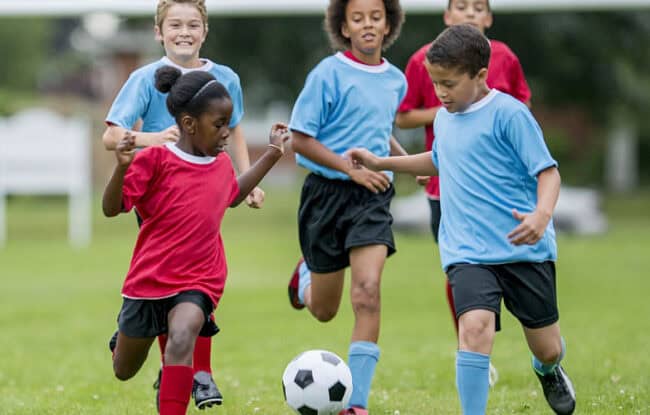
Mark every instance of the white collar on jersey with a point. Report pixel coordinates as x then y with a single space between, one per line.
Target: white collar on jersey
190 158
383 67
481 102
207 65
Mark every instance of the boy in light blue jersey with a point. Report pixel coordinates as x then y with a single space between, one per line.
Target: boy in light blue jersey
498 188
349 100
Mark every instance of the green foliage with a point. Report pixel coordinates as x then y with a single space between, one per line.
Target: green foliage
25 43
58 309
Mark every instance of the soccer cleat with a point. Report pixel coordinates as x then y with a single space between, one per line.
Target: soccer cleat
112 343
354 411
493 375
293 287
205 391
558 391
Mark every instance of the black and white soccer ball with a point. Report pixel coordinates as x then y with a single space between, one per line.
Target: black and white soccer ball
317 382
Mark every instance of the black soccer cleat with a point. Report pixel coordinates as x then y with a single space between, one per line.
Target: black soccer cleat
205 391
112 343
558 391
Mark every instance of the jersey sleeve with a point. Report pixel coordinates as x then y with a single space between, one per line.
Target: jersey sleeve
131 102
413 73
237 98
312 107
518 84
137 178
527 140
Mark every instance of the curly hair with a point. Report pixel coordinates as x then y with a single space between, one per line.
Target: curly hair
335 17
164 5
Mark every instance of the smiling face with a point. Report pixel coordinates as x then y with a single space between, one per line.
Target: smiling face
472 12
182 33
207 134
455 89
365 25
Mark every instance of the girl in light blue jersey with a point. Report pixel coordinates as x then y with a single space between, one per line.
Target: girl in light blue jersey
349 100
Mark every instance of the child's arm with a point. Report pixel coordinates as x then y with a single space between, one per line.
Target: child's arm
251 177
312 149
114 134
238 151
396 148
124 152
532 226
417 164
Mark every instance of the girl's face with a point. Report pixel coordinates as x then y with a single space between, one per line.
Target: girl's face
472 12
210 131
366 26
182 34
456 90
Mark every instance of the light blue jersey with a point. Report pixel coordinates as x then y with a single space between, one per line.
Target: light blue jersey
346 104
139 98
488 159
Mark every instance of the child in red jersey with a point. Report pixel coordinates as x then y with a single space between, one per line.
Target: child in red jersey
181 190
419 107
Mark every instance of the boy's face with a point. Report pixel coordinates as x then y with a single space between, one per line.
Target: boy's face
365 25
182 33
455 89
471 12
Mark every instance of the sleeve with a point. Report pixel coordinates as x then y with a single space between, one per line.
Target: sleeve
527 140
137 178
237 98
312 108
131 102
413 73
518 85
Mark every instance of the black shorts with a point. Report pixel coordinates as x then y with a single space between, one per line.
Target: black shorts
148 318
337 215
434 206
528 290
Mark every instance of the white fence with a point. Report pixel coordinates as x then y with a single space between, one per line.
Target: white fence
42 153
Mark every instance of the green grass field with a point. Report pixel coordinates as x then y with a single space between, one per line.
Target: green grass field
58 307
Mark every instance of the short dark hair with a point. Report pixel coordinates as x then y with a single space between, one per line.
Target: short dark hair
462 47
335 17
486 2
189 93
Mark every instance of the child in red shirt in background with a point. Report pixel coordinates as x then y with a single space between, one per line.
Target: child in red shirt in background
181 190
419 107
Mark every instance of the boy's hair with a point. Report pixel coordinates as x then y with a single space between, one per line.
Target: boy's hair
164 5
487 2
189 93
335 17
462 47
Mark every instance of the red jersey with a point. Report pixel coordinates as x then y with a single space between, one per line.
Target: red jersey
182 199
504 73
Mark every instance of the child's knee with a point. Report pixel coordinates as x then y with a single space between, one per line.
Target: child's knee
550 354
365 297
180 343
476 330
324 314
123 373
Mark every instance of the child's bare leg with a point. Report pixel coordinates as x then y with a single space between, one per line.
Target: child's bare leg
129 355
323 295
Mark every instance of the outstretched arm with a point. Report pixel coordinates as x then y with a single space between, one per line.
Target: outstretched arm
124 152
238 151
417 164
114 133
533 224
251 177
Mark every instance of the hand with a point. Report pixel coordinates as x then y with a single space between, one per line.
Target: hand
255 198
278 136
362 157
171 134
125 150
530 230
422 180
374 181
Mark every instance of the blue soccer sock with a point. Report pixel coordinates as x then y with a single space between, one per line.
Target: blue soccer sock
304 281
546 368
472 371
363 357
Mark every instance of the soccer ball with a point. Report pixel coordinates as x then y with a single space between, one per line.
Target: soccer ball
317 382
